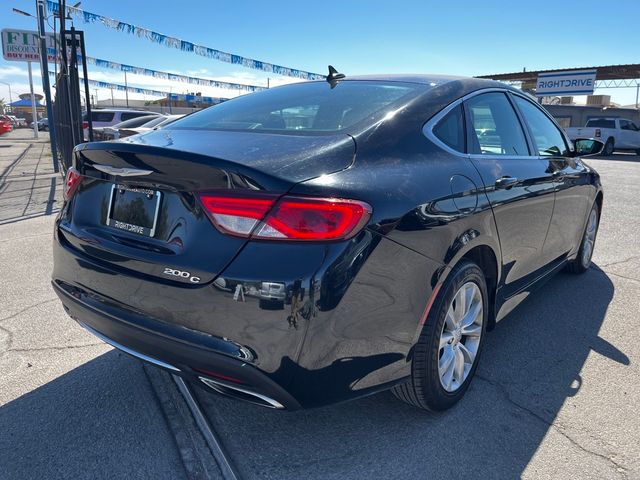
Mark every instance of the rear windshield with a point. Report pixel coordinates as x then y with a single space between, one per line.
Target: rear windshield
135 122
601 123
304 107
154 122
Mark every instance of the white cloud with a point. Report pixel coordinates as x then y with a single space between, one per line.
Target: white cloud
11 71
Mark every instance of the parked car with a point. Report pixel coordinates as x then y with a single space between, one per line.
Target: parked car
616 133
5 124
152 125
113 132
43 124
298 262
17 122
105 117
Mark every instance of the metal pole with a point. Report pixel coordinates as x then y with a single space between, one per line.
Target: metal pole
44 66
637 92
112 104
10 95
126 88
34 112
86 85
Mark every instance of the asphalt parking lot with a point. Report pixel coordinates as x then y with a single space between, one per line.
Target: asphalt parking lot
556 394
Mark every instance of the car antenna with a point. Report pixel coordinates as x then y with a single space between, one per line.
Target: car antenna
334 76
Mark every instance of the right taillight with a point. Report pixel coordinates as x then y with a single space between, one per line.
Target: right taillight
271 217
85 125
71 182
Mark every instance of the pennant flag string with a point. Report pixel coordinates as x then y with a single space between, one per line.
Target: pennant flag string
184 45
205 82
151 92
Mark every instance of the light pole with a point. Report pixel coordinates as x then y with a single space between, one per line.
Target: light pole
11 96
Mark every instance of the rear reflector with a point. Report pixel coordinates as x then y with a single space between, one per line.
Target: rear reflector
270 217
71 182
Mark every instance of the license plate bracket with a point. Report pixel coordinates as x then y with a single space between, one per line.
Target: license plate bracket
133 209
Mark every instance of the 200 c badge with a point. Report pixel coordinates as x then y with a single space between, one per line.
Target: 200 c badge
182 274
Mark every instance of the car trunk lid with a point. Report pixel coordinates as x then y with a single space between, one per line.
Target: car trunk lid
137 208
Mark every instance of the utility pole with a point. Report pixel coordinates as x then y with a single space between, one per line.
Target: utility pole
44 66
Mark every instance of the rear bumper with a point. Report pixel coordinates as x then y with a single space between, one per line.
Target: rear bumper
187 353
341 325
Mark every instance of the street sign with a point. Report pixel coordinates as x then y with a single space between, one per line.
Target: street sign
24 45
573 82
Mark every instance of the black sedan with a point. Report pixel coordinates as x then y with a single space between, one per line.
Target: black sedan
325 240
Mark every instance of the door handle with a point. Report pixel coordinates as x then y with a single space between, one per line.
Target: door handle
506 182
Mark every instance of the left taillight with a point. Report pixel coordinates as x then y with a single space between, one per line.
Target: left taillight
71 182
275 217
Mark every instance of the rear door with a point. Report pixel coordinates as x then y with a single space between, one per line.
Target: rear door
629 135
518 184
570 176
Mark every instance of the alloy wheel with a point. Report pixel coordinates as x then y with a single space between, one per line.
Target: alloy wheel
589 238
460 337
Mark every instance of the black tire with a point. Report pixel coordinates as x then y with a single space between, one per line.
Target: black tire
424 389
609 146
581 264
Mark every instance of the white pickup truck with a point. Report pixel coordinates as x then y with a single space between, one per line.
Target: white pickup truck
615 133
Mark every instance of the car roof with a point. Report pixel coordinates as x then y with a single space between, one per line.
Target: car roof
119 110
408 77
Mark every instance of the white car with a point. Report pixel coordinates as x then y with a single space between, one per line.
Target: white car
615 133
105 117
152 125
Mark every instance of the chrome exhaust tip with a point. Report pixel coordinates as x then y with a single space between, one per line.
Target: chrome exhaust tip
241 393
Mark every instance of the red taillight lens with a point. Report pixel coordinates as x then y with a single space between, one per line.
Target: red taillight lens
598 132
85 124
71 182
267 217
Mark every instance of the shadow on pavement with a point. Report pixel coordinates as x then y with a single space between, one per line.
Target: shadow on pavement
531 364
100 420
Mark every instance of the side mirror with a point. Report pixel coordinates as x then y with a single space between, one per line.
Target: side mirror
587 146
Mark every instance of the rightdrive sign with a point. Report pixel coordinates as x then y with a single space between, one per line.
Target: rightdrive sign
574 82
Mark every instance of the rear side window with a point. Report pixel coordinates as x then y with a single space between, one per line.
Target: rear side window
601 123
129 115
548 139
450 130
494 128
102 116
313 107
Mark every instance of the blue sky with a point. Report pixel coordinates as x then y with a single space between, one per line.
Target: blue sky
456 37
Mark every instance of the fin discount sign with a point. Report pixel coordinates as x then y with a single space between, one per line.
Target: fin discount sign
574 82
24 45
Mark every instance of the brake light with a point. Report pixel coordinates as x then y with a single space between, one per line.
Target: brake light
85 125
598 132
271 217
71 182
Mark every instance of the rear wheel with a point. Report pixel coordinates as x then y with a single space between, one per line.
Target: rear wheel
608 147
447 353
583 261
